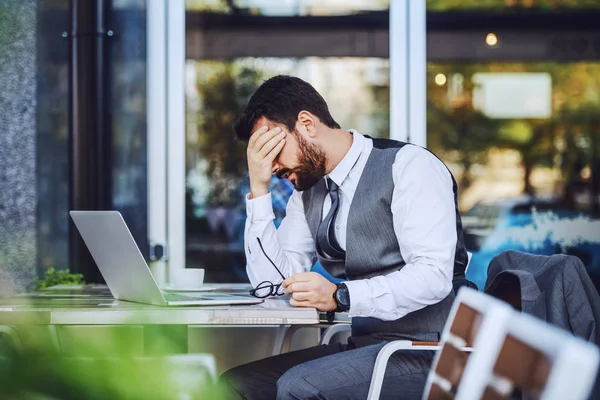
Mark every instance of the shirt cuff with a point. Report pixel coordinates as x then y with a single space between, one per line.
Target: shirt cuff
260 208
360 298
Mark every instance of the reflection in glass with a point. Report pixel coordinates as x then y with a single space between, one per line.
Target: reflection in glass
442 5
52 169
128 111
357 92
523 141
287 7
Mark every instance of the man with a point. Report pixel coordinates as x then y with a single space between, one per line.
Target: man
380 214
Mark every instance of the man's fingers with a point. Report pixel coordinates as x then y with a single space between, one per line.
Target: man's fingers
275 151
297 303
302 296
270 144
297 287
259 137
263 139
300 277
304 276
256 134
268 139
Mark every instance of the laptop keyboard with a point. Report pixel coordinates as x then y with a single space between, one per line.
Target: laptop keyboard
179 297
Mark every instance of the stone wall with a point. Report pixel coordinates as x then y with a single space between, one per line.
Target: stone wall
18 200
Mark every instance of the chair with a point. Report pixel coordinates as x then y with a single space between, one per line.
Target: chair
283 341
524 355
471 314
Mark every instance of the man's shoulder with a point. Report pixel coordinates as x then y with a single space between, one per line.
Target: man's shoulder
417 158
385 144
403 149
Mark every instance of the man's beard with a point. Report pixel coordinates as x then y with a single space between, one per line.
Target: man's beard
311 165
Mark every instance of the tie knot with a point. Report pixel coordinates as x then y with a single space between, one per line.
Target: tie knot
333 187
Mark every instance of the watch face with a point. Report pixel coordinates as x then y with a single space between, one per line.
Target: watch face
342 296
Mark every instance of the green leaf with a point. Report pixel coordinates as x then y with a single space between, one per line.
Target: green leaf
53 277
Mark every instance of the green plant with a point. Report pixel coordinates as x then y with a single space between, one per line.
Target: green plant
39 372
53 277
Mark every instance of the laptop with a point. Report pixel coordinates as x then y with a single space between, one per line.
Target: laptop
124 269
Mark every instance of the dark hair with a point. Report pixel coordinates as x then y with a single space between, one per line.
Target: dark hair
280 99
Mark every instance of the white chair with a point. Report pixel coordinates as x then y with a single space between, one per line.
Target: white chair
187 366
283 340
469 256
527 355
470 313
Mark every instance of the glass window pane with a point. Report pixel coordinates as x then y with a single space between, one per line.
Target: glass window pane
217 90
522 140
442 5
52 135
128 111
288 7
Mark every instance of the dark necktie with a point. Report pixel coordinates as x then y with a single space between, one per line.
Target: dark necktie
326 241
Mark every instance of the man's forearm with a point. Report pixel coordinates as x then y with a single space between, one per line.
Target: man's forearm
392 296
290 248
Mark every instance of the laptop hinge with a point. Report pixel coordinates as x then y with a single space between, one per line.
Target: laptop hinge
158 252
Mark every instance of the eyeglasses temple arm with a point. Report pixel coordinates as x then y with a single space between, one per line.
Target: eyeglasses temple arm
268 258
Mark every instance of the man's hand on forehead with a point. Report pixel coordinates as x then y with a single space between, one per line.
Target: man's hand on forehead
263 148
260 127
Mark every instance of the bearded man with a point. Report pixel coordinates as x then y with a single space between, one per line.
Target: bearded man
382 215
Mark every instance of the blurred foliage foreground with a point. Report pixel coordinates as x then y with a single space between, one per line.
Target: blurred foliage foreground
38 371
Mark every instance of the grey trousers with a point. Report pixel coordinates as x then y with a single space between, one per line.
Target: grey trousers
329 372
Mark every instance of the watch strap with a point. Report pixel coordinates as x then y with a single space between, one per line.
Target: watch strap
330 317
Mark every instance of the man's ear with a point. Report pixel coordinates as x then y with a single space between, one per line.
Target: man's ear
307 124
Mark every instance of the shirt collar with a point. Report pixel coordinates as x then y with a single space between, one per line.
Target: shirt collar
341 171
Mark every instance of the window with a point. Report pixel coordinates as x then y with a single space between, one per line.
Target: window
344 65
517 122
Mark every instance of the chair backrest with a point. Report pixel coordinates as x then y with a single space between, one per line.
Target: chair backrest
469 256
526 355
473 313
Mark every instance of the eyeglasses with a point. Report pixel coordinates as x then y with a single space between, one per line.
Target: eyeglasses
268 288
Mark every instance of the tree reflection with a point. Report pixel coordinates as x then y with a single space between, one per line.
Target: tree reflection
223 98
567 144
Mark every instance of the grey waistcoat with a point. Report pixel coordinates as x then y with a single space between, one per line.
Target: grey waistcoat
372 247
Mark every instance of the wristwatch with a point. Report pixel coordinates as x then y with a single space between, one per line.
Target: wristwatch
342 298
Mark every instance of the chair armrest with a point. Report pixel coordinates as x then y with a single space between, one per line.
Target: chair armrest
283 340
333 330
384 356
339 318
381 364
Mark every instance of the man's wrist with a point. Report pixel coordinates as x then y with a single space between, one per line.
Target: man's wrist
258 192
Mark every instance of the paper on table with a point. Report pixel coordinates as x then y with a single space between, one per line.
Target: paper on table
277 302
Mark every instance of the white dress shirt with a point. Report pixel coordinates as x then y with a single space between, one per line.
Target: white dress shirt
424 222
